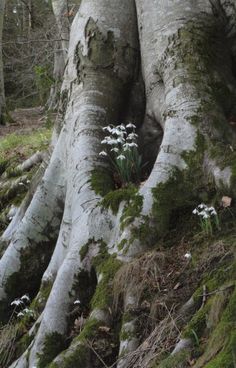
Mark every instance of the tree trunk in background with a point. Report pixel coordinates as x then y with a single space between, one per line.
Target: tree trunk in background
60 10
69 241
2 91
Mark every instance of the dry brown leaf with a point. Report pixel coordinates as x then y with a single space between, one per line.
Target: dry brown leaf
226 201
104 329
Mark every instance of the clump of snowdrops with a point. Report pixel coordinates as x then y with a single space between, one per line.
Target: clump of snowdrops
121 148
208 218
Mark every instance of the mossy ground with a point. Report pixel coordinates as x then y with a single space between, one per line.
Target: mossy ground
15 148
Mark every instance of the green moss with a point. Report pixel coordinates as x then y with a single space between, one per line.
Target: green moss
101 181
125 334
132 209
122 244
103 294
221 347
40 301
84 286
84 250
227 357
180 191
197 325
113 199
179 360
216 278
78 355
54 343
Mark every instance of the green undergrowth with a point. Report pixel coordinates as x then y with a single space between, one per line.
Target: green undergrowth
15 147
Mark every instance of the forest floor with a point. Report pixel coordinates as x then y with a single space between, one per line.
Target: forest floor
26 121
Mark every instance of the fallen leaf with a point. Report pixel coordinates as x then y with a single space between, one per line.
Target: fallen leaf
226 201
104 329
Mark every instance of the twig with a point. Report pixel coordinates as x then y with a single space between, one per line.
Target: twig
95 352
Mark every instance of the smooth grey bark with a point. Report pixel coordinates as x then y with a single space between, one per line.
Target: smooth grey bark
2 90
186 59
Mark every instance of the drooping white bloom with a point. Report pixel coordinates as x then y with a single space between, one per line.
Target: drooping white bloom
17 302
115 150
188 255
132 136
195 211
102 153
25 298
133 144
20 314
130 125
121 157
77 301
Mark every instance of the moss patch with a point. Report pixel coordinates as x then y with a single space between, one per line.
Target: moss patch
53 345
114 198
101 181
103 296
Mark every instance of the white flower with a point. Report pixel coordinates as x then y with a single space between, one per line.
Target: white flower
20 314
132 144
17 302
212 210
121 157
130 125
205 216
120 140
202 205
195 212
77 301
102 153
115 150
188 255
26 298
132 136
121 127
21 183
113 142
28 181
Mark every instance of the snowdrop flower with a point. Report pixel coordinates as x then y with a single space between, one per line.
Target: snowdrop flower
26 298
195 211
21 183
17 302
20 314
115 150
102 153
122 127
113 142
132 144
77 301
121 157
130 125
212 210
188 255
132 136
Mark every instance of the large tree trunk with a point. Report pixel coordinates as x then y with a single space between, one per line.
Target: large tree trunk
187 55
2 91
